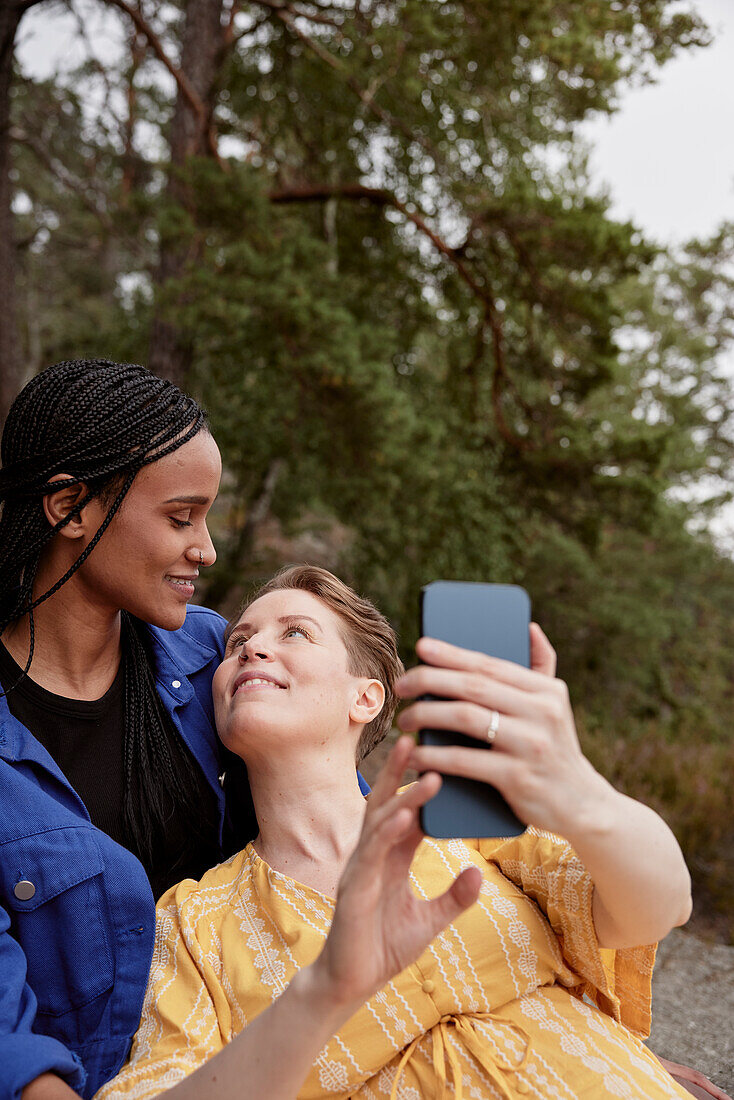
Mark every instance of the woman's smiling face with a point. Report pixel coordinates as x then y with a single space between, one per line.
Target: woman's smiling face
285 676
148 560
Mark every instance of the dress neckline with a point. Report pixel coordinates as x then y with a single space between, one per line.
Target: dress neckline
257 861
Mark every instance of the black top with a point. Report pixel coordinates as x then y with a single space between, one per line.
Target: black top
84 738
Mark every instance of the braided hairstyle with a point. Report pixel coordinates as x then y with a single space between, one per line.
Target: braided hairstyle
101 422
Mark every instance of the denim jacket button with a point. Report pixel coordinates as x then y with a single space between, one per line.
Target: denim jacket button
24 890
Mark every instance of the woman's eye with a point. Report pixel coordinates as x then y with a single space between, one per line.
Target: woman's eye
296 630
181 522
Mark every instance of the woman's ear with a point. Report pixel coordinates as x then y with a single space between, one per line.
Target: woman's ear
368 702
57 506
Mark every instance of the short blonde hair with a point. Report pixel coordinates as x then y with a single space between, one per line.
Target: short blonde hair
370 641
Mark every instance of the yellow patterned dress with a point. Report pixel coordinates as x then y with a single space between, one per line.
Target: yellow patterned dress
515 999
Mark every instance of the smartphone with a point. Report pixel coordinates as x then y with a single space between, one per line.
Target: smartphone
493 619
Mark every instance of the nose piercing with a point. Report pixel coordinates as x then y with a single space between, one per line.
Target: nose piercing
201 557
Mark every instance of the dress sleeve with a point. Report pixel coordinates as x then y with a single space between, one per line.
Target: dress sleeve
25 1054
179 1026
546 868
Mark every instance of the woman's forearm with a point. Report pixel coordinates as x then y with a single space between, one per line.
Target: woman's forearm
272 1056
642 888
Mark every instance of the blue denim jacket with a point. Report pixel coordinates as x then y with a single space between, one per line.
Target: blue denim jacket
74 956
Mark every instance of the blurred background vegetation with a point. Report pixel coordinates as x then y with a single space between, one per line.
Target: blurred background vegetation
364 234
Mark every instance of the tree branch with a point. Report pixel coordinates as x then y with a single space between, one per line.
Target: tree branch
61 173
288 16
229 35
311 17
182 81
382 198
99 68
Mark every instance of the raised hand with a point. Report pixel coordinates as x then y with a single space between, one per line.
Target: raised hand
641 884
536 761
379 924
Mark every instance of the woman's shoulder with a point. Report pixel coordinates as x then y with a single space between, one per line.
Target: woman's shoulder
213 891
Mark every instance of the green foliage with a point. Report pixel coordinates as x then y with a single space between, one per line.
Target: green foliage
465 369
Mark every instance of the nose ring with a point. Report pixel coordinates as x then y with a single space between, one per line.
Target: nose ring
201 557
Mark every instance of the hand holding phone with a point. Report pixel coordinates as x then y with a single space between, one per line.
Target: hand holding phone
536 762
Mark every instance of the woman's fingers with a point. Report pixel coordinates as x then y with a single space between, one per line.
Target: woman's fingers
467 718
462 893
391 774
401 855
472 687
414 796
542 653
437 654
390 823
487 767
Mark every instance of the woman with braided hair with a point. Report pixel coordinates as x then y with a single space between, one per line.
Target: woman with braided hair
110 767
105 715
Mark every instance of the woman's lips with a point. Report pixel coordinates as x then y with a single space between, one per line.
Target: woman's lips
252 685
183 586
251 681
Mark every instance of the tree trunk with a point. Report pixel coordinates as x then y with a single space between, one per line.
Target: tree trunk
203 41
10 359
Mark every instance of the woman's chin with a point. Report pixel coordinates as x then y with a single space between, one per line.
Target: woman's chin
254 736
171 617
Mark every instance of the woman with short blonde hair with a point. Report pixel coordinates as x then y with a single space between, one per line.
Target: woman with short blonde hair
539 987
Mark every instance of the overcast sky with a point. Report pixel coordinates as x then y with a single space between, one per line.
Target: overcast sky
668 153
667 156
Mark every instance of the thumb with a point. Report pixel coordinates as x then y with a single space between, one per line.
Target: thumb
542 653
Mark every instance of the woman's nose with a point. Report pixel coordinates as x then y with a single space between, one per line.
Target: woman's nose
203 554
255 648
210 553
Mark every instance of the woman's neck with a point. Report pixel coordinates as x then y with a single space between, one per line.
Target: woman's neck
309 809
77 647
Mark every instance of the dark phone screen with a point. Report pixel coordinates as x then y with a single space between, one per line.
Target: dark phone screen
492 619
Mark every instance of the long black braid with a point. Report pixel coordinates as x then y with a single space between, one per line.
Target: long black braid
101 422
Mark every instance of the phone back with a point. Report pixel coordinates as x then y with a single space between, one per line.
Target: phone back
492 619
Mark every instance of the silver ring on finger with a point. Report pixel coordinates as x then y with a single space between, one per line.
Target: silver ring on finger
494 721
